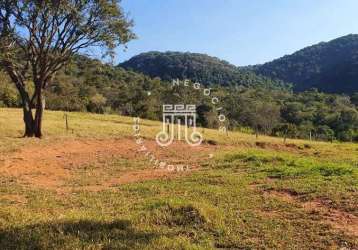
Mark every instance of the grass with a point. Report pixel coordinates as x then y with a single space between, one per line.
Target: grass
250 195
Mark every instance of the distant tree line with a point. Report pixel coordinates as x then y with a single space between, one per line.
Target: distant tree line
90 86
197 67
330 67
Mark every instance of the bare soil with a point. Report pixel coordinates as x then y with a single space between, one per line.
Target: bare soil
340 220
52 166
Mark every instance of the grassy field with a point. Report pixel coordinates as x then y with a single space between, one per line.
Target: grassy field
91 188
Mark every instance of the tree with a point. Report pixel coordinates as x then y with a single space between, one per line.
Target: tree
202 111
269 116
97 103
261 116
37 38
286 130
325 132
8 93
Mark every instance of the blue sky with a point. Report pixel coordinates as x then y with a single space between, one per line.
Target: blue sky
242 32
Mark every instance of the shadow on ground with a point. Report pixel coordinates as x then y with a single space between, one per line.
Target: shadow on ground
86 234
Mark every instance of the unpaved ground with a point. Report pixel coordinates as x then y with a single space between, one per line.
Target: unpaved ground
54 165
338 219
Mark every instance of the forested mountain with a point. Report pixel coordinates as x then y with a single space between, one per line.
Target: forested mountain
89 85
196 67
259 104
328 66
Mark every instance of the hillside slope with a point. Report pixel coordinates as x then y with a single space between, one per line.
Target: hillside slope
95 188
328 66
89 85
196 67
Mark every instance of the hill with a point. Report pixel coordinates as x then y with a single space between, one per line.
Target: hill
328 66
89 85
196 67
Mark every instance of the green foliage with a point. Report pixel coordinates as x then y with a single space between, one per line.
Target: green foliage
328 66
89 85
286 130
196 67
325 116
8 93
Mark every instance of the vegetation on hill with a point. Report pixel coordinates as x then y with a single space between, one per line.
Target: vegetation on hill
328 66
89 85
196 67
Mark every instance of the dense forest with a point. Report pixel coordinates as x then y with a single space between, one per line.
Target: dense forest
328 66
89 85
196 67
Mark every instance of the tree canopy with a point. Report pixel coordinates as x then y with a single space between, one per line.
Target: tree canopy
328 66
37 38
196 67
89 85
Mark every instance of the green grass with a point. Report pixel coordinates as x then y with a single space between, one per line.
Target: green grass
225 205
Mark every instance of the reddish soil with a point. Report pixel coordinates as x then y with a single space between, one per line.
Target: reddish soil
343 221
54 165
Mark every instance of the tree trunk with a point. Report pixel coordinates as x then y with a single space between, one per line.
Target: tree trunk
28 119
26 103
40 106
27 113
